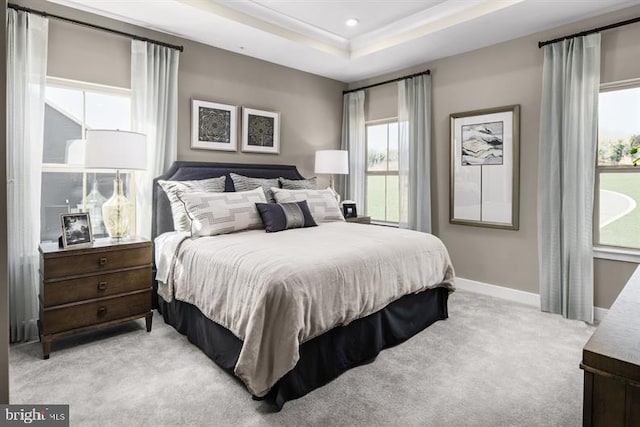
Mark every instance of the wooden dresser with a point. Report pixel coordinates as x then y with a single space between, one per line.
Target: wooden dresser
82 289
611 363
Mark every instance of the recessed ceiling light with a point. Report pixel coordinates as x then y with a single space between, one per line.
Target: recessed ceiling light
352 22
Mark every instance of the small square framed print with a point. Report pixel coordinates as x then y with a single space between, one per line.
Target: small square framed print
213 126
260 131
76 230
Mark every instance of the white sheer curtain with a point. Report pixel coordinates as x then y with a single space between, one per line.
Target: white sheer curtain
26 77
566 161
414 152
154 110
352 186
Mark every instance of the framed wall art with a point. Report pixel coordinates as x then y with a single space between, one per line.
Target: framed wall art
485 167
213 126
76 230
260 131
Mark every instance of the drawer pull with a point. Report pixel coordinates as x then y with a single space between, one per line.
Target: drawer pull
102 286
102 311
103 261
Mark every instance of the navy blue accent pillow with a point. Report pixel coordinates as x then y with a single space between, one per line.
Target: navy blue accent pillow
283 216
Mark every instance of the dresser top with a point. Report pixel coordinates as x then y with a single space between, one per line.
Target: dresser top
101 243
615 345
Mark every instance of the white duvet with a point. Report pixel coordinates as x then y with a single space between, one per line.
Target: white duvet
275 291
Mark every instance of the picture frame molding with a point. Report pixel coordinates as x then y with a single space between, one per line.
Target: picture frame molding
65 242
196 143
275 115
515 172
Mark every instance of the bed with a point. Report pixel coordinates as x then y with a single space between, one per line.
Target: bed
339 316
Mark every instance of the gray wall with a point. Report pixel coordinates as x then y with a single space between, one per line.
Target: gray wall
503 74
4 284
310 106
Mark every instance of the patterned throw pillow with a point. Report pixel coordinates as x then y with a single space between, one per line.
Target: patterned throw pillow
284 216
299 184
322 203
245 183
181 221
221 213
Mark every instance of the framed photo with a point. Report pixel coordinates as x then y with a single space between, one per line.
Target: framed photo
76 230
260 131
214 126
485 167
349 210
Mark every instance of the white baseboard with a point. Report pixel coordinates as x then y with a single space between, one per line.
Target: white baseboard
515 295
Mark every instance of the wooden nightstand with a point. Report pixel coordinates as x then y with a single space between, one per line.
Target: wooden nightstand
360 219
87 288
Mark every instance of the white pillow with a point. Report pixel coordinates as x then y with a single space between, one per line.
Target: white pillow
181 221
221 213
246 183
322 203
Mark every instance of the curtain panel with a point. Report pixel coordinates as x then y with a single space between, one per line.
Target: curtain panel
27 38
352 186
414 152
566 161
154 110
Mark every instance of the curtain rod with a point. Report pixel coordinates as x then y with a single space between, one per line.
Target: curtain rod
96 27
594 30
427 72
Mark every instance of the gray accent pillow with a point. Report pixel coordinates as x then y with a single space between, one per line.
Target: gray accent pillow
322 203
299 184
222 213
285 216
181 221
245 183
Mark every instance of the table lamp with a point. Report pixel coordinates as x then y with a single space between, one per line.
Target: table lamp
332 162
116 149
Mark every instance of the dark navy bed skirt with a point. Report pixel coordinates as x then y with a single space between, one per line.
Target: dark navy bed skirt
325 357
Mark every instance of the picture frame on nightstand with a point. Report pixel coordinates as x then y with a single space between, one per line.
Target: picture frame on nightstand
349 210
76 230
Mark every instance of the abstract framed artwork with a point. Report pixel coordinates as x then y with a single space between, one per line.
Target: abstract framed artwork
260 131
485 167
214 126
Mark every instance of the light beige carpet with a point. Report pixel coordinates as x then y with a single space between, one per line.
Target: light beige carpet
492 363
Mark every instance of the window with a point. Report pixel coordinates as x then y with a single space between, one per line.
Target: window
70 109
618 181
382 188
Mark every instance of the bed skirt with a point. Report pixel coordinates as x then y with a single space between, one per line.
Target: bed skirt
325 357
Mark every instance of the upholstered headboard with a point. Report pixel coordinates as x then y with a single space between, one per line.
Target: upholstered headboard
162 221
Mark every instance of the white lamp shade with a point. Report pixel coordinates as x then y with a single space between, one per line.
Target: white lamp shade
115 149
75 152
332 162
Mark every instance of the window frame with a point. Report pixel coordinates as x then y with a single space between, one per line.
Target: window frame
601 250
385 173
59 82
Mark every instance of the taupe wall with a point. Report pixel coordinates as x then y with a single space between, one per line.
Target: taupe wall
4 288
310 106
508 73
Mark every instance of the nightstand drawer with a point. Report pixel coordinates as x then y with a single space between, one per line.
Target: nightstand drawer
95 262
91 313
96 286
